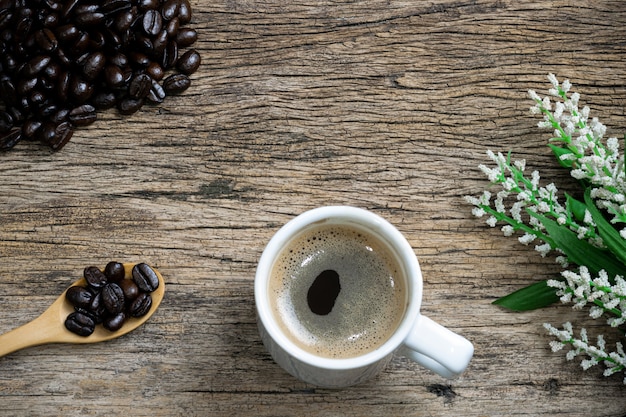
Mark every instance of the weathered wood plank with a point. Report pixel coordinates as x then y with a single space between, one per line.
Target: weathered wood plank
386 105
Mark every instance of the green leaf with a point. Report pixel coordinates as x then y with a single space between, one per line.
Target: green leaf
577 208
609 235
532 297
578 251
560 151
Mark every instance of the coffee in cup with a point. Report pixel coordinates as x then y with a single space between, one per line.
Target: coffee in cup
337 291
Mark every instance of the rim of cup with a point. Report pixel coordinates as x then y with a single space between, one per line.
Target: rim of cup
381 229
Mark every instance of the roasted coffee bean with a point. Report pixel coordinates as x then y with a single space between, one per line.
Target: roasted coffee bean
80 323
184 12
145 277
23 27
30 128
26 85
114 271
96 307
5 18
114 323
56 56
46 109
83 115
94 277
93 65
159 42
60 116
6 122
63 60
9 139
80 89
176 84
47 133
129 105
170 55
113 298
46 40
96 41
155 71
63 86
156 94
140 305
52 71
114 6
68 7
113 76
130 289
147 4
36 98
170 9
139 59
152 22
50 20
104 100
140 86
189 62
17 114
123 21
80 45
186 37
172 28
119 59
67 33
79 296
89 19
87 312
7 90
62 133
9 63
37 64
143 44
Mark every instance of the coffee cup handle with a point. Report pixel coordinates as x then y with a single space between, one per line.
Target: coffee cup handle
437 348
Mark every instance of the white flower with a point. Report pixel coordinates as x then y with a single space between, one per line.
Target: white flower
520 164
554 81
478 211
566 86
507 230
472 200
492 173
556 284
526 238
543 249
533 95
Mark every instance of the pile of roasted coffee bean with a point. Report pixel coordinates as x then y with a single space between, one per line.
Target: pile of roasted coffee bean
109 298
63 60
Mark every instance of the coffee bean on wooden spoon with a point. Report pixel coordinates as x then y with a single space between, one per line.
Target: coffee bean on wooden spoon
50 327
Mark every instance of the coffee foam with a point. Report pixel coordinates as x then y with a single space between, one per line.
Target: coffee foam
369 306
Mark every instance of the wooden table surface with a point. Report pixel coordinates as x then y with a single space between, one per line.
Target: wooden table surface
384 105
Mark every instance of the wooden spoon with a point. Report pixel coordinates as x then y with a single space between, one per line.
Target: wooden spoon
50 326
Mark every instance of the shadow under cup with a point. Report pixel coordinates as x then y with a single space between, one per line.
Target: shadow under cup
319 369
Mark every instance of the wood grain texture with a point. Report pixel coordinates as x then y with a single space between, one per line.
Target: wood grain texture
385 105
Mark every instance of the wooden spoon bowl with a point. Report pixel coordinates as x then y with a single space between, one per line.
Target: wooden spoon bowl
49 327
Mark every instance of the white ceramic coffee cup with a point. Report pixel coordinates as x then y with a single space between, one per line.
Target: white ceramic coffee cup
417 337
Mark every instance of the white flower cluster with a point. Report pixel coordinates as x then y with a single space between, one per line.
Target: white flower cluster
593 160
527 196
613 361
600 167
582 288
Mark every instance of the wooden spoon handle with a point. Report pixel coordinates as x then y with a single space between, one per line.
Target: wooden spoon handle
30 334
